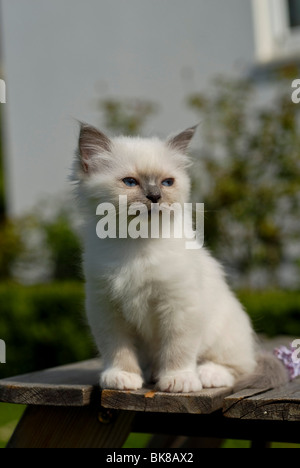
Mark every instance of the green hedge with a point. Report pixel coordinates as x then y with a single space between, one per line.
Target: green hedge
44 325
273 312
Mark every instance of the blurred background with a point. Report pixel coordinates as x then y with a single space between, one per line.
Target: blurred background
147 67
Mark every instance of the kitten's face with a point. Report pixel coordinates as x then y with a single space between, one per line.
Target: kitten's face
145 170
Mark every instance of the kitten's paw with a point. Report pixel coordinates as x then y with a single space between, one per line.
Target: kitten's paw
120 380
179 382
215 375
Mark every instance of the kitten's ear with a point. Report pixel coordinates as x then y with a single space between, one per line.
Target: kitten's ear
181 142
92 142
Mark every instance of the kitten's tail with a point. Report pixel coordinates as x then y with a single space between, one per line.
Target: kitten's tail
270 372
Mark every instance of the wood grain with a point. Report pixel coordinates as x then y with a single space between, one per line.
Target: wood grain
77 385
70 385
57 427
279 404
203 402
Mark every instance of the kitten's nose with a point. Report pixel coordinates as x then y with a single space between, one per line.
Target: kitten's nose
154 196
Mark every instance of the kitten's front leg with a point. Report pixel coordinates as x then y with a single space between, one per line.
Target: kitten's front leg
178 372
179 381
122 373
121 369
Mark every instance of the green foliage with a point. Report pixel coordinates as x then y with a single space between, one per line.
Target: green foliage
51 249
64 247
249 177
10 247
9 417
273 312
126 117
43 326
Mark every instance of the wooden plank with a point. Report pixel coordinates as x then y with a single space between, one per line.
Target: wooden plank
70 385
77 385
279 404
205 401
57 427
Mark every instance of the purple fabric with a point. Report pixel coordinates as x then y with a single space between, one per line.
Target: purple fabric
289 358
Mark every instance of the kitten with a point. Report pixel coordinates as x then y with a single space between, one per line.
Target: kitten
157 310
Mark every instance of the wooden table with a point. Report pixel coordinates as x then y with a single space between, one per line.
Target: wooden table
66 408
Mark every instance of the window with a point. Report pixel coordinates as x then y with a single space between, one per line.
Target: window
294 13
277 29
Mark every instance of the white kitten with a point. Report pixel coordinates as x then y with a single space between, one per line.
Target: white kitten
156 309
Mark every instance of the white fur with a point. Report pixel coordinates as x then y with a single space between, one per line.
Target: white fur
156 309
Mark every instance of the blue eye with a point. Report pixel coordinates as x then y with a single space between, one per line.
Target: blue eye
168 182
130 182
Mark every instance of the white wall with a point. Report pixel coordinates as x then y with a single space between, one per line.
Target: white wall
62 55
